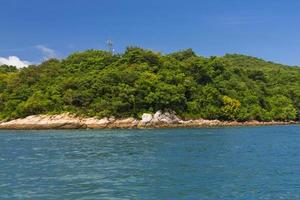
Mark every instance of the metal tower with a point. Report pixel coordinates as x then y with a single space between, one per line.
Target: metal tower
110 46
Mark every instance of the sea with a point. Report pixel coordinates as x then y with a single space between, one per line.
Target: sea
236 163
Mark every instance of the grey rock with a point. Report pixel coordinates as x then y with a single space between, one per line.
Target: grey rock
166 117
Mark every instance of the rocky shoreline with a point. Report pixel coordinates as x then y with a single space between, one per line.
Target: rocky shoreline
158 120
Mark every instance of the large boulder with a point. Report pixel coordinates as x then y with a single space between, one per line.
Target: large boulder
146 118
165 117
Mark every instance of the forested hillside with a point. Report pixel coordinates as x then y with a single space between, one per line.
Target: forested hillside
97 83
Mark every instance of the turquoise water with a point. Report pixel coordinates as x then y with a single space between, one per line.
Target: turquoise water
217 163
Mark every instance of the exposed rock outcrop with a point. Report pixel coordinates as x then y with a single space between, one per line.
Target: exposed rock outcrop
158 120
146 119
94 123
63 121
166 117
124 123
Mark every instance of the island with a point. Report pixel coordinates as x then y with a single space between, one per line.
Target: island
141 88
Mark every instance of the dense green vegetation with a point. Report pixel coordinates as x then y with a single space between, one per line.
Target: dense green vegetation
97 83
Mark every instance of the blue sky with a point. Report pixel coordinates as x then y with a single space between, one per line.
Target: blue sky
34 30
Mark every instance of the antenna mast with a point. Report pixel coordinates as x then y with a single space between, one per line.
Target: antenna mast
110 46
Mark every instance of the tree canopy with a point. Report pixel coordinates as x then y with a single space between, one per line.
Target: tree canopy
98 83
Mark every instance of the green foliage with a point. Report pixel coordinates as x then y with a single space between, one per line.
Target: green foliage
230 108
97 83
7 69
35 104
281 108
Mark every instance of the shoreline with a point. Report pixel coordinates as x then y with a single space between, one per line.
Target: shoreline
148 121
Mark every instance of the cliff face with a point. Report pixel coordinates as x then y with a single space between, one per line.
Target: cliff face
158 120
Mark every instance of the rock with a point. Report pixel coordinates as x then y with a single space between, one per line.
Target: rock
124 123
185 122
167 117
204 122
158 120
63 121
146 118
157 116
95 123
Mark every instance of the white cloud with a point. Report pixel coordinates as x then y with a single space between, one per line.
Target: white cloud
14 61
47 52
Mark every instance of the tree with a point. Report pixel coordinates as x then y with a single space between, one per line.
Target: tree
230 109
97 83
281 108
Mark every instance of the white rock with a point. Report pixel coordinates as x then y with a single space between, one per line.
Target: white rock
146 118
157 116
